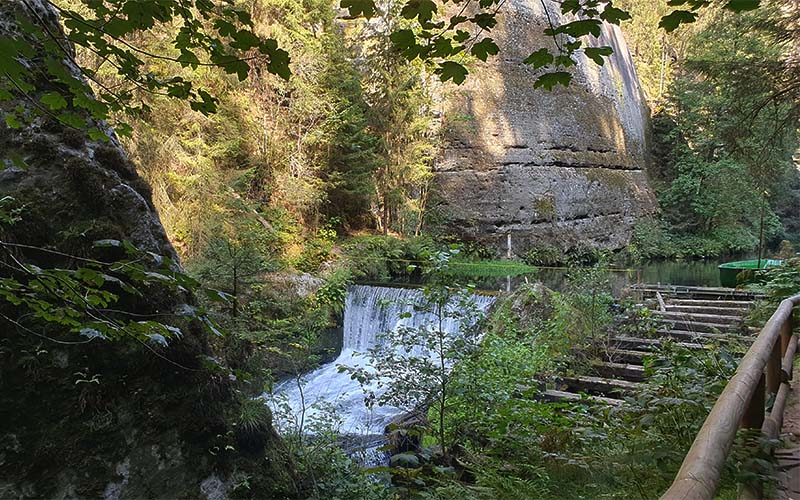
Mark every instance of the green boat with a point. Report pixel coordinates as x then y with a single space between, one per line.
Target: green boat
729 271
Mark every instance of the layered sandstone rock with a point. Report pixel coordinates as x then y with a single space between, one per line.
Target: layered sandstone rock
563 168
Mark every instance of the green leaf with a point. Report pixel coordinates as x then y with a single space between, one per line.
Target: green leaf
614 15
99 110
12 121
188 58
578 28
359 7
225 28
5 95
539 59
461 36
278 58
672 21
407 460
548 81
90 276
443 47
218 296
421 9
54 100
456 20
403 39
451 70
483 49
485 20
742 5
123 130
597 54
279 64
117 27
72 120
244 17
96 134
232 64
17 160
570 6
211 326
564 61
245 40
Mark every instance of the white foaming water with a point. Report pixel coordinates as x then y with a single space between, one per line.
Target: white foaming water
369 311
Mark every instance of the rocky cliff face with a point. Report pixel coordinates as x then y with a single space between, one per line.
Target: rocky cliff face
564 168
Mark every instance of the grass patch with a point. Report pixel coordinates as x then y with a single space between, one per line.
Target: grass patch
489 268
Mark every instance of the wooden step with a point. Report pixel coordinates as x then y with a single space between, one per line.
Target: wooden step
694 337
738 312
563 396
599 385
696 326
724 319
703 338
694 292
624 371
728 304
626 356
637 344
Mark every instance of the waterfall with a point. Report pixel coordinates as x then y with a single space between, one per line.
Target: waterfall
369 311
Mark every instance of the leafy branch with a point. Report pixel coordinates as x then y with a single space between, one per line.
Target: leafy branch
442 41
210 34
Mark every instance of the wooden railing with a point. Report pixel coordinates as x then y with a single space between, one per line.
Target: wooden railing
766 368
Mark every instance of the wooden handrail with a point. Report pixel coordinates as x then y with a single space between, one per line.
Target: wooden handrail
741 404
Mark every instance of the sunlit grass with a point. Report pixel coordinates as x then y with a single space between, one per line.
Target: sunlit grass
489 268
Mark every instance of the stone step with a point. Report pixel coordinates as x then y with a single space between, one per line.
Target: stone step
563 396
599 386
634 373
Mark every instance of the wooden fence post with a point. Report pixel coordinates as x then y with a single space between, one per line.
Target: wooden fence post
753 419
754 414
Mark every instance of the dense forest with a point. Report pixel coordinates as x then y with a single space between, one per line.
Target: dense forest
214 215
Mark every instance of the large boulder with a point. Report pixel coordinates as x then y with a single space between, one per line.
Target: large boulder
564 168
100 419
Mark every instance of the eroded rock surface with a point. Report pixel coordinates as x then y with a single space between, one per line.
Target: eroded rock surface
562 168
104 419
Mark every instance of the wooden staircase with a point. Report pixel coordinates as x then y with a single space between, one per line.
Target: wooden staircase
691 316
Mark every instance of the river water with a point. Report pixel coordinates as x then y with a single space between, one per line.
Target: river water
688 273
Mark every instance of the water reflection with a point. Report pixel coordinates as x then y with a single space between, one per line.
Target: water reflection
688 273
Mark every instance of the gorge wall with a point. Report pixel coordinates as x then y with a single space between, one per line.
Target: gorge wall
564 168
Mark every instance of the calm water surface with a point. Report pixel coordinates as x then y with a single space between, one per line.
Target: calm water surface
689 273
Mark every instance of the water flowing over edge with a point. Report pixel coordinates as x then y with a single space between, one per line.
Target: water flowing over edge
328 396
